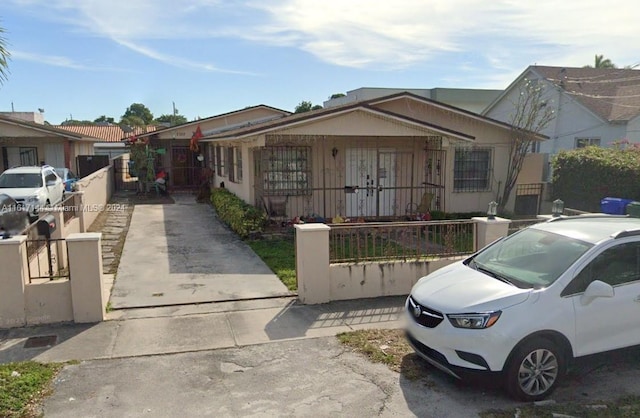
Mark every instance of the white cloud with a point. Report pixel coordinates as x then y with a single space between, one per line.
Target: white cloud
509 34
59 61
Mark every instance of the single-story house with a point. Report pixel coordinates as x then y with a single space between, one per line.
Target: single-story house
390 157
593 106
185 163
30 143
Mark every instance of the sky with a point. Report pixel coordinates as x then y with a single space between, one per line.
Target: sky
82 59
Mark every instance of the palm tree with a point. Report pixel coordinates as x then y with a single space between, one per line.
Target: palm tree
4 57
601 62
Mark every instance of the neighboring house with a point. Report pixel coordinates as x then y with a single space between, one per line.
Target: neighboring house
389 157
473 100
111 136
186 166
593 106
30 143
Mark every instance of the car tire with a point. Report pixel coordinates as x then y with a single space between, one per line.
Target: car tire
534 370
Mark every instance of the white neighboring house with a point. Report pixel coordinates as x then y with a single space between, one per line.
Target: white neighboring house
593 106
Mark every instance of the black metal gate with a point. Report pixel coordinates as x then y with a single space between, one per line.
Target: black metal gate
124 175
528 199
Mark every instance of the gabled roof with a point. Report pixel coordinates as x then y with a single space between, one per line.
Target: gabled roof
46 129
612 94
107 133
365 105
221 115
315 115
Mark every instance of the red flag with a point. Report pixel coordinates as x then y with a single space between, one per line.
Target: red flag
193 146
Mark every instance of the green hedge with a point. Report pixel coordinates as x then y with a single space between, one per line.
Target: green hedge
241 217
583 177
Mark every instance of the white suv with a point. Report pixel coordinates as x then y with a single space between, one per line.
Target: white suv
525 306
32 187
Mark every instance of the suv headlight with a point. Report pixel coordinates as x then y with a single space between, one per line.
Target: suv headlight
32 199
474 320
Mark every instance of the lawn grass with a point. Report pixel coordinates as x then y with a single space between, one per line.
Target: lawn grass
21 392
386 346
279 255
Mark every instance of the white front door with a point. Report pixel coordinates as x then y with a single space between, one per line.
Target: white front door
370 181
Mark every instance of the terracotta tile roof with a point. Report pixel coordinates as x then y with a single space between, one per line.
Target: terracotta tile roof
611 93
107 133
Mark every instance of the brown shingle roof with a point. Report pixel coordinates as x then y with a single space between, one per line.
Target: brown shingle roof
611 93
107 133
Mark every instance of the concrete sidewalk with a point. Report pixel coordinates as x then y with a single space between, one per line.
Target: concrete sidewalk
193 328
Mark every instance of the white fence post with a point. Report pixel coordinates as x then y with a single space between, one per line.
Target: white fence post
490 230
312 263
85 268
15 273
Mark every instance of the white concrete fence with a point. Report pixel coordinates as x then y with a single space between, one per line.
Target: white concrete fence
79 297
319 281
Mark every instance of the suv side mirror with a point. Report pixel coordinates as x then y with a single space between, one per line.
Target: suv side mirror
596 289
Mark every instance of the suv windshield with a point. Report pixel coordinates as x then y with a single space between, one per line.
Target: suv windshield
20 180
530 258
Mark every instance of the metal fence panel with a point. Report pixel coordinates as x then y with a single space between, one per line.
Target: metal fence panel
400 240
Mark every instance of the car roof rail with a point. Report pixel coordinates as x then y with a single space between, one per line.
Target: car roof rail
625 233
587 216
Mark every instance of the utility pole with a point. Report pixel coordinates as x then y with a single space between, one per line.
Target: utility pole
173 115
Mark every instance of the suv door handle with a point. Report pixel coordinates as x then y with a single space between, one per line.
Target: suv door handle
637 299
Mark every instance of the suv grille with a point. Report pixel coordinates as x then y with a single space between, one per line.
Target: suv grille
422 315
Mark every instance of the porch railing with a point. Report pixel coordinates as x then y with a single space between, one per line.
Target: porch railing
351 242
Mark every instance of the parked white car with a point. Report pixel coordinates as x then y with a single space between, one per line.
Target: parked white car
32 187
524 307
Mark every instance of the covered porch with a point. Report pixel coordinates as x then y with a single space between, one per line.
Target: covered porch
358 164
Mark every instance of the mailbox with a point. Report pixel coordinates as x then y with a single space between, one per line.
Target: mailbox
46 225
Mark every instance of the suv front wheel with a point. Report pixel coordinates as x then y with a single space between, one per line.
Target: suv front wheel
534 370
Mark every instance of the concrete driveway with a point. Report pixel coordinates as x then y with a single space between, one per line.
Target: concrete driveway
181 253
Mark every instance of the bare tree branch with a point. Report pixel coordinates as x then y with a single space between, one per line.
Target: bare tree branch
531 115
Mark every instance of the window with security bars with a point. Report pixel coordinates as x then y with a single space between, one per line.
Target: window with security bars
286 170
234 162
472 170
221 160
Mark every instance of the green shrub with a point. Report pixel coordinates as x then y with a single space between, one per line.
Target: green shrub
583 177
241 217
